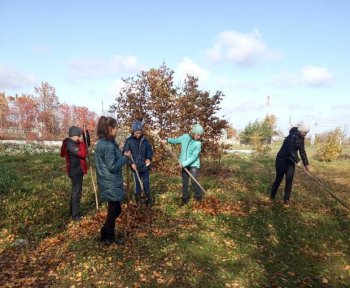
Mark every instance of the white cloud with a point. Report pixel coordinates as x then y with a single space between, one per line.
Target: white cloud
247 85
285 80
343 106
242 49
116 87
316 76
187 66
95 68
228 83
250 106
11 79
309 76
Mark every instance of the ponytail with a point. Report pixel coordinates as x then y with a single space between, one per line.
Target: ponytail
103 127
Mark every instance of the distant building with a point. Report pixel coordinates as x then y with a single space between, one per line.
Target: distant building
277 136
228 141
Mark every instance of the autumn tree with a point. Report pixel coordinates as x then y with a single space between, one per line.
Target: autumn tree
24 110
268 126
169 110
76 115
187 103
231 131
130 104
197 106
64 118
82 116
41 116
329 145
259 131
4 111
48 107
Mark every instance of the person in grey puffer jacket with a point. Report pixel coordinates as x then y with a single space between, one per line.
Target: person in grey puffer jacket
286 159
109 161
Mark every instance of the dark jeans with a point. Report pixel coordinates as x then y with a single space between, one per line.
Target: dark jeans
77 186
283 167
185 179
145 180
114 210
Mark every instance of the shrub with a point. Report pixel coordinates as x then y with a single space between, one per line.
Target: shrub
329 145
260 149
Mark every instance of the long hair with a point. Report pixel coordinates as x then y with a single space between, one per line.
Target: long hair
104 125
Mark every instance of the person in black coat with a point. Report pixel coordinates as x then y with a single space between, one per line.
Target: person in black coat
286 159
142 153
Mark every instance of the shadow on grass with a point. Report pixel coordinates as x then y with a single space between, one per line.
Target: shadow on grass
305 245
35 210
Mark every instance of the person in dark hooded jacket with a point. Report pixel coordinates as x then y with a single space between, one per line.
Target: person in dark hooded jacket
286 159
74 149
142 153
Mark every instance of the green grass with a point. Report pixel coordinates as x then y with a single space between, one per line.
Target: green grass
235 238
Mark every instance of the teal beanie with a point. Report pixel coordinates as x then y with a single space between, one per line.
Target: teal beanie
197 129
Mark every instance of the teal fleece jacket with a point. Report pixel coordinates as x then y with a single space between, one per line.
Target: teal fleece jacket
190 150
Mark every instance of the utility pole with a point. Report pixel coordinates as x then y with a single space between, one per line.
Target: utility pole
345 131
313 135
268 105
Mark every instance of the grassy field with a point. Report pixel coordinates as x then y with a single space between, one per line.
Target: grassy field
235 238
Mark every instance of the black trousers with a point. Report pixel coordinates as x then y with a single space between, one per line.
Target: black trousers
283 168
77 186
185 179
114 210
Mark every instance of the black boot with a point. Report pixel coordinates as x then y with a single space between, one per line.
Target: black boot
184 201
286 202
103 235
112 240
149 200
109 238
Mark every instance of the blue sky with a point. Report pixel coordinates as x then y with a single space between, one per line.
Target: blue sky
296 52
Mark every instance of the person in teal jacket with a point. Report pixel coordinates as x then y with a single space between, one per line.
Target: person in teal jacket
109 161
191 147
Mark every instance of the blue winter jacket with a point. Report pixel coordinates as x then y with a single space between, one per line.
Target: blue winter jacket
190 150
140 150
109 161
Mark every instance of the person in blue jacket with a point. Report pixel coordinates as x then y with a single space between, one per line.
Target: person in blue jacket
191 147
142 153
109 161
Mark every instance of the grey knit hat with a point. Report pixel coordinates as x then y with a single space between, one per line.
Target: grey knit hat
74 131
